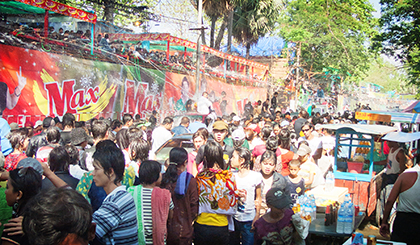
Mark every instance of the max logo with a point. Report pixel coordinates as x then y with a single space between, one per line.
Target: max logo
68 100
138 100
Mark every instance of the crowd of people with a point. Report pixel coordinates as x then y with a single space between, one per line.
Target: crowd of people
101 178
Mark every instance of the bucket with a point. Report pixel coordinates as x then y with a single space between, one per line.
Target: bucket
355 167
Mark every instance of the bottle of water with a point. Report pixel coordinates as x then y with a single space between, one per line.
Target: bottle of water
329 182
340 219
348 225
313 206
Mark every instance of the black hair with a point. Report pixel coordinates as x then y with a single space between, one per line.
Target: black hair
52 215
69 120
178 157
184 120
134 133
116 124
26 180
149 172
266 132
126 118
269 155
284 138
272 143
99 129
245 154
122 138
73 154
167 120
139 149
17 137
59 159
110 156
213 154
53 135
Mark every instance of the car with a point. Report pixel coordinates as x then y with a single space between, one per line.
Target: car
192 117
183 140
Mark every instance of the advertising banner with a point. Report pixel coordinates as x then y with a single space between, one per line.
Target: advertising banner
35 84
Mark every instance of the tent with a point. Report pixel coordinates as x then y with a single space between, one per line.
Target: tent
413 108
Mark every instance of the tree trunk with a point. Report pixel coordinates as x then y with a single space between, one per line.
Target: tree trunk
109 11
213 26
248 49
230 24
221 33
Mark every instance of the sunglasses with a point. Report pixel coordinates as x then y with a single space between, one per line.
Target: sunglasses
305 130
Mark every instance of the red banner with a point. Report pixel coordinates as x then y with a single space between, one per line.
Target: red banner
62 9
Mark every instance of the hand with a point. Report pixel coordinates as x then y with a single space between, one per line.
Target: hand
21 81
384 230
14 227
253 222
45 168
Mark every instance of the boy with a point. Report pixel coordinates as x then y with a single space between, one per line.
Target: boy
296 182
309 171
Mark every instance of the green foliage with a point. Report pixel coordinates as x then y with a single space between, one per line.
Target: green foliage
332 34
400 22
253 19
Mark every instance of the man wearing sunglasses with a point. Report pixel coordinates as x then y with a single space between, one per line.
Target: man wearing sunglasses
314 141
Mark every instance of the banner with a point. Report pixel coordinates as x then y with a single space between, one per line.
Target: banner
35 84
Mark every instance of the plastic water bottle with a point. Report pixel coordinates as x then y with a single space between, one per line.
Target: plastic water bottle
329 182
313 206
348 225
340 219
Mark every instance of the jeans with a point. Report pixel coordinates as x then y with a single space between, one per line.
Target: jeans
211 235
242 233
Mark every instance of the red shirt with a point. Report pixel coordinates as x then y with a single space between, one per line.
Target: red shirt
12 160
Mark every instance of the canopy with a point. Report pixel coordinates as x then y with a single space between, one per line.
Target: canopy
362 128
20 7
402 137
413 108
399 116
266 46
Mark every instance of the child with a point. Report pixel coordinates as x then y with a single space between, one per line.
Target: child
249 187
275 227
296 182
309 171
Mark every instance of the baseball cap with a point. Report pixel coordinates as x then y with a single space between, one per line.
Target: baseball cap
30 162
303 150
29 124
254 127
238 134
14 126
236 118
47 122
284 123
220 125
38 123
277 198
78 136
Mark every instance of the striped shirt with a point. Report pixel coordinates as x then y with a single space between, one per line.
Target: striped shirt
115 220
147 214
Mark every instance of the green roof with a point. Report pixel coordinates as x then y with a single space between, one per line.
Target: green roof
15 8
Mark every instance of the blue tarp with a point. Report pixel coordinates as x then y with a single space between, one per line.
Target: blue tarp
266 46
402 137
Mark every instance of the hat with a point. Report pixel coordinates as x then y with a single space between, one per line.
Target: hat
277 198
38 123
284 123
303 150
254 127
78 136
236 118
238 134
14 126
29 124
220 125
31 162
318 126
48 121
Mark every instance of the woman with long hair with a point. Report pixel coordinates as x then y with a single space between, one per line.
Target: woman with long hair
184 192
285 152
23 184
199 139
217 198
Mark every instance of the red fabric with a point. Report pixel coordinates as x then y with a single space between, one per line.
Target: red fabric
386 148
260 149
285 159
161 199
12 161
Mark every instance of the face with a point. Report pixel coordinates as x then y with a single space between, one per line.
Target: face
169 126
219 135
293 171
306 131
303 158
235 161
25 143
198 142
11 196
276 130
249 134
99 176
268 166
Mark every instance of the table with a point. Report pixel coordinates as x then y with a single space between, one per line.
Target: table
317 226
378 242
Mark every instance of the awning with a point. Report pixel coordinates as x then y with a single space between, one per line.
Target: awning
402 117
21 7
362 128
402 137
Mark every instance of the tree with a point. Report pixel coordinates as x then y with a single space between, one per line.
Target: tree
253 19
331 34
400 36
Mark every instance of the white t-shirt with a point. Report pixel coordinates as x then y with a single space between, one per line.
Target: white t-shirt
248 183
314 143
203 105
159 136
308 168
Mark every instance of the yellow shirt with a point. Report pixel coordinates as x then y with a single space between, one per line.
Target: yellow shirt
212 219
